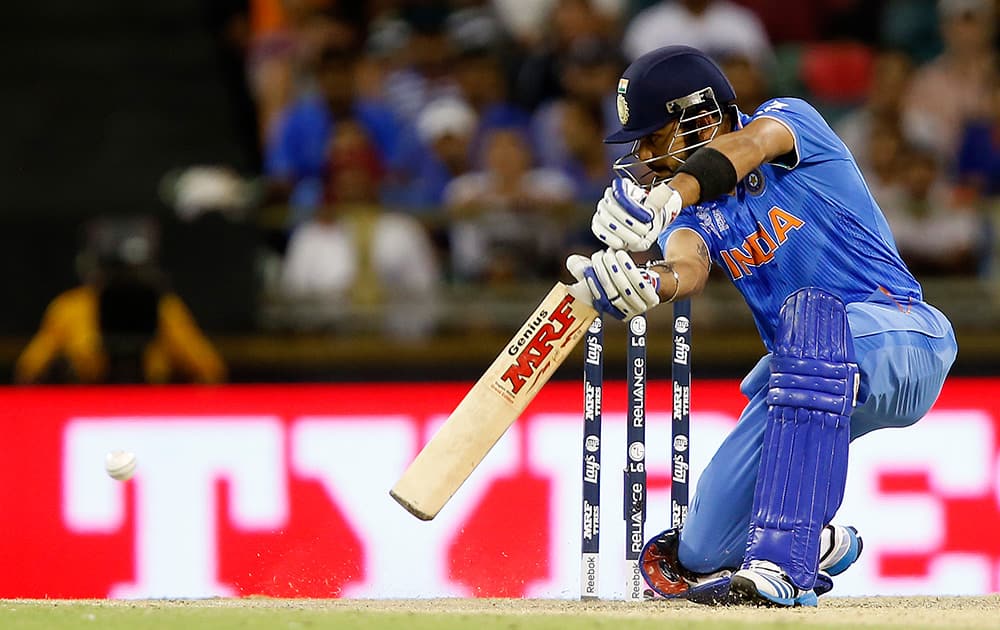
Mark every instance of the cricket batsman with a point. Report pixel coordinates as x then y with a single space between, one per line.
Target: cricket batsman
777 201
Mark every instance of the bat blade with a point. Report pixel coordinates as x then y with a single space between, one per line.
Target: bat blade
495 401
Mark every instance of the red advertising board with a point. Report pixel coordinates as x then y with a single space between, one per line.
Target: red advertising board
283 491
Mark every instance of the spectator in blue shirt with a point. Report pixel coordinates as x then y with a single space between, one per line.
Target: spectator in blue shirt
297 153
484 86
436 151
979 152
588 67
585 161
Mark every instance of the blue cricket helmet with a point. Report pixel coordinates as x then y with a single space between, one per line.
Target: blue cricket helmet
660 85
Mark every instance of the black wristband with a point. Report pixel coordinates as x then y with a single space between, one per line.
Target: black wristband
715 173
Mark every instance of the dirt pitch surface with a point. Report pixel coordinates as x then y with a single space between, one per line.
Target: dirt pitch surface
489 614
902 612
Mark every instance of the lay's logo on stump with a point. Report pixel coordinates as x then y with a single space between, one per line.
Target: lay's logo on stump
759 247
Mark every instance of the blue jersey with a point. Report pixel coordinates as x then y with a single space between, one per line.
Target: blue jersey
807 219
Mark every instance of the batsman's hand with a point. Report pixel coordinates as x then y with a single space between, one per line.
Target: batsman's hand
617 285
627 218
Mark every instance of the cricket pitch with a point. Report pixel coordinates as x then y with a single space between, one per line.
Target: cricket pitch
491 614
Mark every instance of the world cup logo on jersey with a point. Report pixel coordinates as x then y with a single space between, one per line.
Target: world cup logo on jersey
622 103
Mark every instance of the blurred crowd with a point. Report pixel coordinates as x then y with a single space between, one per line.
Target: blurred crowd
416 143
407 147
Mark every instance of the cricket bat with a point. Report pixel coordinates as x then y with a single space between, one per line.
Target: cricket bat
495 401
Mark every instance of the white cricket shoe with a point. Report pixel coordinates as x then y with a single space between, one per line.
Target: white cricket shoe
839 548
765 584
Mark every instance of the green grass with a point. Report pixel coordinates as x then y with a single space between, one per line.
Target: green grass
66 617
270 614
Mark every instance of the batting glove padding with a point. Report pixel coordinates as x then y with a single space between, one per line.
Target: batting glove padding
625 218
617 285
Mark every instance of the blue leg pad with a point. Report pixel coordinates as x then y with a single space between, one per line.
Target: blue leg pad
803 465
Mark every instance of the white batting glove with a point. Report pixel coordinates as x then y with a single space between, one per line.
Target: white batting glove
629 218
617 285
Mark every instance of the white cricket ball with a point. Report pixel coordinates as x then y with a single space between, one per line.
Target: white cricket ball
120 465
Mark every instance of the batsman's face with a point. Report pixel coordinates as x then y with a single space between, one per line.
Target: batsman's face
668 147
656 148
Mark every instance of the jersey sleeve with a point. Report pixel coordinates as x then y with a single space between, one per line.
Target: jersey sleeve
815 141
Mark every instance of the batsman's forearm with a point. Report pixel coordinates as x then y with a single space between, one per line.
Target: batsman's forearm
743 149
746 149
689 280
688 187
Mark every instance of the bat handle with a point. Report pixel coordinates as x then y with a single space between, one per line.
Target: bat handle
658 195
581 292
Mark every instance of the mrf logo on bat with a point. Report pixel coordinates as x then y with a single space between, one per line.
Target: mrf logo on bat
534 345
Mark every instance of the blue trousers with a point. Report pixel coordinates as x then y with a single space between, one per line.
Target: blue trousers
904 352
